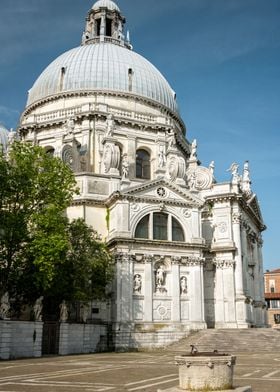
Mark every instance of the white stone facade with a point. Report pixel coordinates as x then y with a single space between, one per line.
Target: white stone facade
187 249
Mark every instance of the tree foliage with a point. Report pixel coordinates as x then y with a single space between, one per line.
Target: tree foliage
41 252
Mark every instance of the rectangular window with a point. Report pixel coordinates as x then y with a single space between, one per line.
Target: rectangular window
160 226
275 303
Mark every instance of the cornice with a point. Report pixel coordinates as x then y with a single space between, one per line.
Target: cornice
88 202
243 202
254 213
154 243
147 199
223 197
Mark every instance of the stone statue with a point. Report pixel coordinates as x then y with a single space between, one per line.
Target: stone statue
212 167
137 283
107 157
4 306
125 166
161 156
110 124
234 171
84 312
246 180
192 180
37 308
68 129
194 148
171 139
183 285
63 312
160 278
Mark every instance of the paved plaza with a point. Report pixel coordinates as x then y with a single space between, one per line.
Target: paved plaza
124 372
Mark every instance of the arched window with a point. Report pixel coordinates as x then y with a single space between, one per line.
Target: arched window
143 169
49 150
177 231
142 229
160 226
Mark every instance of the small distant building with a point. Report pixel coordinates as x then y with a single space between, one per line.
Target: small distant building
272 296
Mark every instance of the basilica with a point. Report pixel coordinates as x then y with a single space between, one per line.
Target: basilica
187 249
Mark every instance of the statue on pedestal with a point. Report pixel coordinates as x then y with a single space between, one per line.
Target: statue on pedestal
234 171
161 156
125 166
63 312
183 285
171 139
110 125
160 279
212 167
137 283
37 308
194 149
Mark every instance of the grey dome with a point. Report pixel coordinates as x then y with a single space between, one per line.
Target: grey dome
106 4
103 67
3 138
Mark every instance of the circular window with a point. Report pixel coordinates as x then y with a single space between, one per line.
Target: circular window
161 192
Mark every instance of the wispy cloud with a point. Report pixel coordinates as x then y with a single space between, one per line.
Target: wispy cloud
6 111
8 116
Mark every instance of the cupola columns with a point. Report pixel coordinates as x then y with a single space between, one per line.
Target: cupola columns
104 23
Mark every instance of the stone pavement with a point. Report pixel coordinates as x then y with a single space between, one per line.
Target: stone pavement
125 372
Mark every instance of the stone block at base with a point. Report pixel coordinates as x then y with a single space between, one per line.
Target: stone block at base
177 389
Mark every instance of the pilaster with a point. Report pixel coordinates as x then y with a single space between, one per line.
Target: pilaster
175 290
148 289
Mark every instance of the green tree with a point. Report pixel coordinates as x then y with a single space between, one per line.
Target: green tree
90 262
41 252
35 187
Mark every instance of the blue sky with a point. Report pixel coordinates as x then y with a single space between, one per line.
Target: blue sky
220 56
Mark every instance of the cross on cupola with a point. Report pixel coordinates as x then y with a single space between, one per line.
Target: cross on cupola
105 23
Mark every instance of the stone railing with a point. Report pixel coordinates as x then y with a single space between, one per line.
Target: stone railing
58 114
97 107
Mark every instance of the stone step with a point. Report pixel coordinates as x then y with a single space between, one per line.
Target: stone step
231 340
